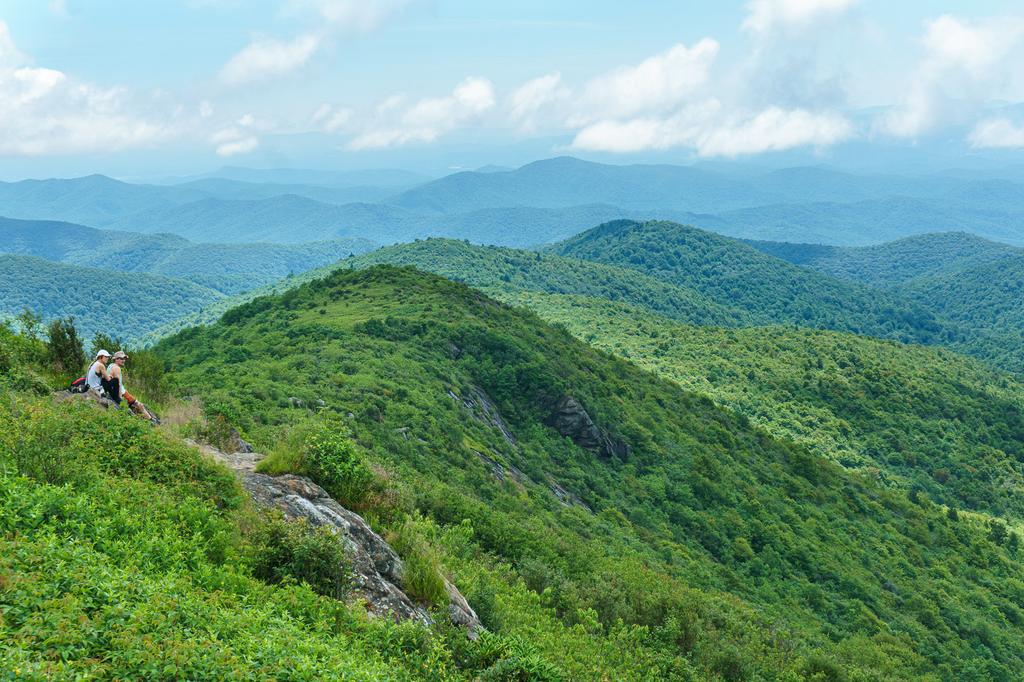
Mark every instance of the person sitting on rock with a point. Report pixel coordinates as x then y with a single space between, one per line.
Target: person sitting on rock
97 378
115 381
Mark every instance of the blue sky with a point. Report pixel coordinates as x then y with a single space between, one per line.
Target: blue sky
179 87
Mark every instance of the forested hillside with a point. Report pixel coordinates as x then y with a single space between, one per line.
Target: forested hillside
488 267
915 418
124 305
227 268
892 263
769 289
973 283
657 508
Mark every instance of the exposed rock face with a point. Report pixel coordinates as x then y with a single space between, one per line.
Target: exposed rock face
571 420
377 570
484 409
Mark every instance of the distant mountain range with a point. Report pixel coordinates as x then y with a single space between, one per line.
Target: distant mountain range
121 304
541 202
226 268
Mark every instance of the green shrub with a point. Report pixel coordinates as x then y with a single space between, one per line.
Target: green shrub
283 549
422 578
332 460
517 661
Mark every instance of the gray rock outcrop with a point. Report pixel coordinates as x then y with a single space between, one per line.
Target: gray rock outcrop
571 419
377 570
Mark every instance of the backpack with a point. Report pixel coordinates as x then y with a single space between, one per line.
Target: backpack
78 386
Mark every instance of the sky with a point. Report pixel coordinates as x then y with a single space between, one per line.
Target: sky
175 88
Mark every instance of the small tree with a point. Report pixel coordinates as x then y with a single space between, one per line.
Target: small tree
63 347
105 342
29 323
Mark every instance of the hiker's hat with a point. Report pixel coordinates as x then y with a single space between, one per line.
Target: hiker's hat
120 354
100 353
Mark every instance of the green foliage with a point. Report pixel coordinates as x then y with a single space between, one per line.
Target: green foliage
422 577
64 348
971 282
912 416
713 549
504 269
770 290
147 569
283 550
124 305
331 458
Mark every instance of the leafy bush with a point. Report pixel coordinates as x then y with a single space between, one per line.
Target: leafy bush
283 549
331 458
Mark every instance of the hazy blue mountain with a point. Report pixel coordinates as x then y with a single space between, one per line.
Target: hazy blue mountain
224 188
292 219
122 304
91 200
227 268
705 188
380 177
566 181
988 210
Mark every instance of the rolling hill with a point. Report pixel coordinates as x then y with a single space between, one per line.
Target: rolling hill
655 509
974 283
892 263
227 268
122 305
502 269
913 417
769 289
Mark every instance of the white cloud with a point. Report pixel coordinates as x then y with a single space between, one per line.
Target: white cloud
656 84
239 138
269 57
710 131
427 119
775 129
766 15
10 55
961 65
44 111
534 96
240 146
331 119
997 133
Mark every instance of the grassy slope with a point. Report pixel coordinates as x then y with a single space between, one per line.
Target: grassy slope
125 305
708 521
917 417
124 554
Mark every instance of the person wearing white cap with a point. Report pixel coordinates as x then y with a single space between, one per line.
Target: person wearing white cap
117 392
97 376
